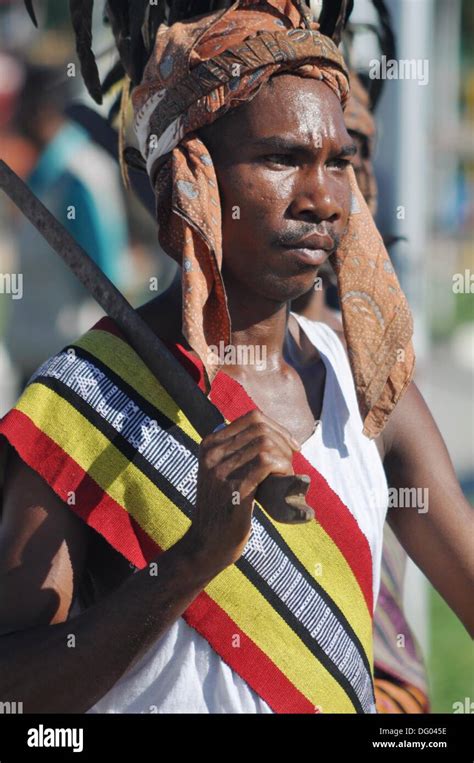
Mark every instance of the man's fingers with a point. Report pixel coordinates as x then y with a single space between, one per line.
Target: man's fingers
252 474
255 417
266 436
252 462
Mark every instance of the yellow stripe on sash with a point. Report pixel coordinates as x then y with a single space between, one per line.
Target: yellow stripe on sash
277 639
104 463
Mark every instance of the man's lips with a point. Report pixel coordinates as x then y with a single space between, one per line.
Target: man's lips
312 250
308 256
312 241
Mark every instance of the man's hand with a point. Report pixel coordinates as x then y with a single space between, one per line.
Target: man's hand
232 464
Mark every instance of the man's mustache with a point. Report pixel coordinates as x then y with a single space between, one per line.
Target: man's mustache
291 237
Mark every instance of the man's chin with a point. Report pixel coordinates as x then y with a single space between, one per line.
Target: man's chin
291 287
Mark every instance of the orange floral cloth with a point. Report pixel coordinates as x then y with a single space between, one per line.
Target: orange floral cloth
398 697
199 70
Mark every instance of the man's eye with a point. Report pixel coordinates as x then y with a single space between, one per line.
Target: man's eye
340 164
279 159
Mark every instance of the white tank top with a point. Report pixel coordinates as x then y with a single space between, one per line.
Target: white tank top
181 673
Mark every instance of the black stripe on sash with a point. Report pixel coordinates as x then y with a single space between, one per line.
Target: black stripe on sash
152 411
263 519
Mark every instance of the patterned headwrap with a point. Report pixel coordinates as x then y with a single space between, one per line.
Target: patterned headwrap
199 70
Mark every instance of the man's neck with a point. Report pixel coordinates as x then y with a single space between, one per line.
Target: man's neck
255 322
311 305
258 323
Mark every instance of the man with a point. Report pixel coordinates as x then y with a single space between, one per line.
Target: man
236 613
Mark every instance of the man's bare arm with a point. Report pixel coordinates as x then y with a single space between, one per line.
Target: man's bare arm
440 540
42 557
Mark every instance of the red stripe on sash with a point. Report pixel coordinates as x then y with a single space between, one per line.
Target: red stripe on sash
247 659
64 475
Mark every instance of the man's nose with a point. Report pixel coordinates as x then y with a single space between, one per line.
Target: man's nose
317 198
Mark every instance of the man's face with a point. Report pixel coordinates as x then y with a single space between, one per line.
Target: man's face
281 162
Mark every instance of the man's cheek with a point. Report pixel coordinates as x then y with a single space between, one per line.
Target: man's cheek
248 197
256 207
269 205
239 200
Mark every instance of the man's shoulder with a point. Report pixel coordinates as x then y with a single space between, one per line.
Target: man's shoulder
163 315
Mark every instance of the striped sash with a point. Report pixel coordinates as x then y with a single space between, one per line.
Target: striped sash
293 616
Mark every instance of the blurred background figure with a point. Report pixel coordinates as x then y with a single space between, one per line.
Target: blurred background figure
52 134
80 185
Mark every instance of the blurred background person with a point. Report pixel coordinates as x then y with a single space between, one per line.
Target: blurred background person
79 183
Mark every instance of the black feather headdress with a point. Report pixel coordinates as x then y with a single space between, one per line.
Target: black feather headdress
134 24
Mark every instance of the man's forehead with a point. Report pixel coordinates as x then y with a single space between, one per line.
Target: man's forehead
301 107
340 142
298 109
302 130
